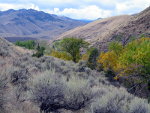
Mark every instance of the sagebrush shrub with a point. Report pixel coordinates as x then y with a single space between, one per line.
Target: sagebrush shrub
119 101
53 92
139 106
3 83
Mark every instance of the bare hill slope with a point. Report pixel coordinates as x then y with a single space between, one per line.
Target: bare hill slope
97 30
104 30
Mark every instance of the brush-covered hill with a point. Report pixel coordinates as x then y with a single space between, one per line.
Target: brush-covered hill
113 28
33 85
97 30
34 24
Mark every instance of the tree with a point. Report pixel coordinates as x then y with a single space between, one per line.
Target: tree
73 47
116 47
130 63
40 51
92 60
61 55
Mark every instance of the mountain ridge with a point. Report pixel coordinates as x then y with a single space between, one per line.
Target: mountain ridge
35 24
105 30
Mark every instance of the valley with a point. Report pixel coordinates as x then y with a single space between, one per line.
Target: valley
55 64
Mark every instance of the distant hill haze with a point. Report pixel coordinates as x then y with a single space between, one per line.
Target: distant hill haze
120 28
35 24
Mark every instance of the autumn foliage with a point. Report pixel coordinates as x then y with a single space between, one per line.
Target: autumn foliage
61 55
132 59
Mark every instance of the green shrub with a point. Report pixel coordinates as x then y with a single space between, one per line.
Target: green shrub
92 60
30 44
40 51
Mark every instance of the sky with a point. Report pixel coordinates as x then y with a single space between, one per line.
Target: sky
79 9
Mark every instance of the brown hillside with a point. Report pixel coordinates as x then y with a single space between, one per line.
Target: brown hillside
108 29
98 30
138 25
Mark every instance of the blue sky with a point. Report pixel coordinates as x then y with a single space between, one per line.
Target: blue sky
79 9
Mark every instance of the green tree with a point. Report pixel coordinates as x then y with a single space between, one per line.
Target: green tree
92 60
73 47
40 51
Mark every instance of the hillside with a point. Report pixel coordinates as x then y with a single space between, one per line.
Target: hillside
97 30
32 85
138 25
104 30
34 24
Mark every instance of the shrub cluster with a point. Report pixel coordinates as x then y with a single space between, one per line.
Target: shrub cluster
40 51
53 91
119 101
30 44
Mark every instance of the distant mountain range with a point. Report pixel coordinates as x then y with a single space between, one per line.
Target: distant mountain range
120 28
34 24
31 24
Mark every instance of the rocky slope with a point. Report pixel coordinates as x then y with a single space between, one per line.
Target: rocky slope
32 23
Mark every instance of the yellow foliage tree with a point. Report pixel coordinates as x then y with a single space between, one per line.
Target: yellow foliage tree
133 59
108 60
61 55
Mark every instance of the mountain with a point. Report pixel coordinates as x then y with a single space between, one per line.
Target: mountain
32 23
86 20
121 28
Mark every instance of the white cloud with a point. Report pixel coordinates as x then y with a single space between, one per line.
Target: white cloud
131 6
79 9
6 6
89 12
